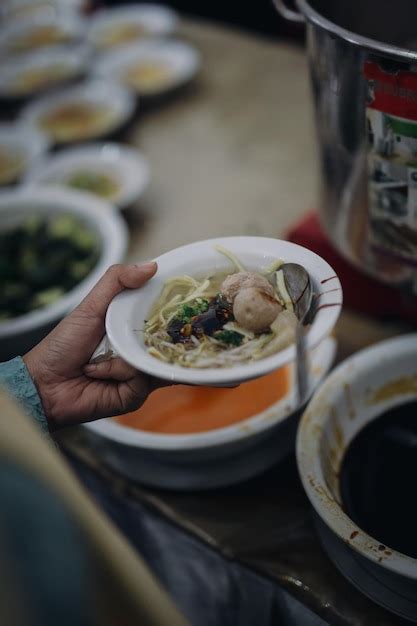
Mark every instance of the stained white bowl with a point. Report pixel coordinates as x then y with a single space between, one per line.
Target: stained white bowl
215 458
342 406
127 165
181 60
95 91
157 20
127 313
20 333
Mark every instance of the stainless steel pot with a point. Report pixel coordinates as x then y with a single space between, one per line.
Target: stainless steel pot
363 65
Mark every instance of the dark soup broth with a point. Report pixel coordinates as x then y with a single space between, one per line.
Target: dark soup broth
379 477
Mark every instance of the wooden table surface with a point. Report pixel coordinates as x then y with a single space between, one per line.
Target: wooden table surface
234 154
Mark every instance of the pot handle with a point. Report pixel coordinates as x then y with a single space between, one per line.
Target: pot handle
286 13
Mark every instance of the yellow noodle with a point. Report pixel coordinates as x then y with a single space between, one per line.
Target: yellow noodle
231 257
208 352
273 267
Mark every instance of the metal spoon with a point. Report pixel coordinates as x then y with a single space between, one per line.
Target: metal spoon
298 284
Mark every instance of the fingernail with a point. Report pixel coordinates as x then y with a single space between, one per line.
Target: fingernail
147 266
90 367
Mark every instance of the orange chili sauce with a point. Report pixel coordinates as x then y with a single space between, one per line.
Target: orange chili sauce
181 409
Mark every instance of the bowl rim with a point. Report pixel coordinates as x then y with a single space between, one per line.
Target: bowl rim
32 141
109 226
106 15
250 427
91 152
137 355
309 458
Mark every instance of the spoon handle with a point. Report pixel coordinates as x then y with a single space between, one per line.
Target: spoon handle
103 352
301 364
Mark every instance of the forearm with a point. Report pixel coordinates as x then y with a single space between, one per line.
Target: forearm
16 380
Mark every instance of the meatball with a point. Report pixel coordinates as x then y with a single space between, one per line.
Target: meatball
255 310
242 280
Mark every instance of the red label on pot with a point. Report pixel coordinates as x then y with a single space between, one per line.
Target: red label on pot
394 93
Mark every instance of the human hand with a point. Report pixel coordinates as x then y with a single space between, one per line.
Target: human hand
71 389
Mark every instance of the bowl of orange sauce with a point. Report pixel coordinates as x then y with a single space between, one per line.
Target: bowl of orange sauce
191 437
183 409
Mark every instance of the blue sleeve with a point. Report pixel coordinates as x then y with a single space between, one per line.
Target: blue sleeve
15 378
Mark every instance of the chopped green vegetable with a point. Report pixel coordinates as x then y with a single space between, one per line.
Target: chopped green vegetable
187 311
42 259
63 226
229 337
96 182
48 296
32 224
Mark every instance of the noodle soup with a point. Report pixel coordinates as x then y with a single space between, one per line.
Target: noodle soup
222 319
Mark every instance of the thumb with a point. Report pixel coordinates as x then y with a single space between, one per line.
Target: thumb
116 279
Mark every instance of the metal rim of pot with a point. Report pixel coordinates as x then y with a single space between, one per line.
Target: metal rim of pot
306 12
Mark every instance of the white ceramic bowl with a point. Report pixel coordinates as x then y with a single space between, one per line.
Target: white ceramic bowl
211 459
28 143
343 405
128 311
15 206
181 61
156 20
67 22
126 165
72 59
100 92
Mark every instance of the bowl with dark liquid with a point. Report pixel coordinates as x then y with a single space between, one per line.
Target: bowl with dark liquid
357 457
